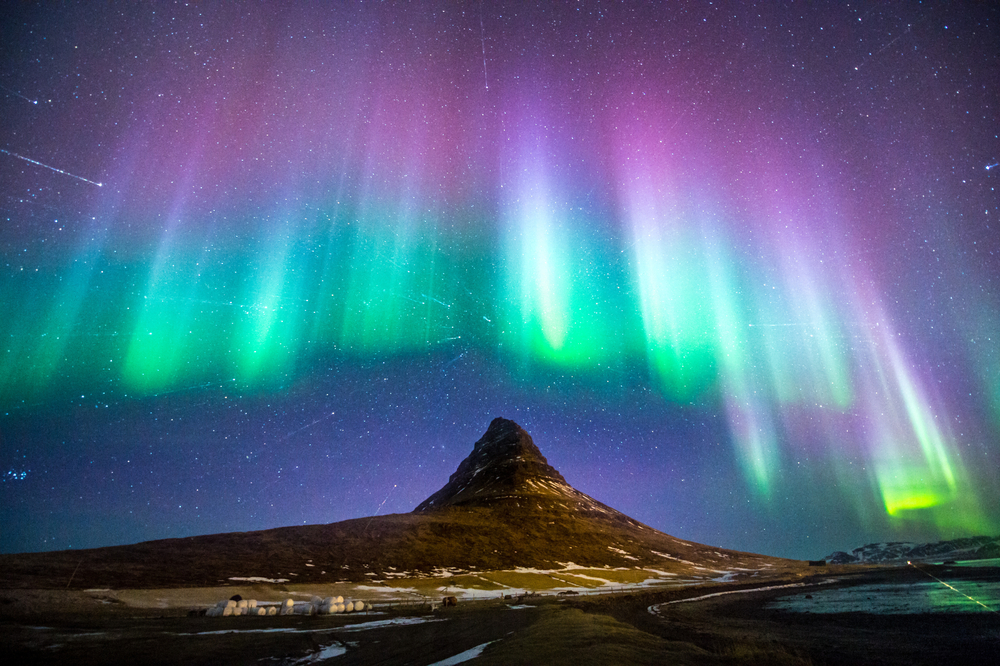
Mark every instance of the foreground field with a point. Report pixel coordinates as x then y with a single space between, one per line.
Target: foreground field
403 589
733 623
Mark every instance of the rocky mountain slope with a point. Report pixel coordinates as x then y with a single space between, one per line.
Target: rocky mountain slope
505 507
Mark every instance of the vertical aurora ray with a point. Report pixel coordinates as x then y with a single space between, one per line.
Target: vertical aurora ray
172 334
541 274
173 338
563 305
809 365
393 300
914 468
159 350
745 393
64 319
330 266
267 337
800 313
669 273
670 278
916 465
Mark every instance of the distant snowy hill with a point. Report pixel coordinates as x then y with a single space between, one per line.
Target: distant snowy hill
970 548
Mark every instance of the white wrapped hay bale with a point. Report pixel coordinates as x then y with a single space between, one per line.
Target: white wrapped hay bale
340 600
252 603
272 610
288 607
329 606
349 607
228 610
242 603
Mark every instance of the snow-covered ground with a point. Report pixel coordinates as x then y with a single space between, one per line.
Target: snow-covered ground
404 587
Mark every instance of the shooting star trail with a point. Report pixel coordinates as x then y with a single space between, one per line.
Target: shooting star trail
436 300
310 425
51 168
378 509
482 38
14 92
453 361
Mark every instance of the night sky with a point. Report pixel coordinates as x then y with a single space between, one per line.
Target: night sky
736 269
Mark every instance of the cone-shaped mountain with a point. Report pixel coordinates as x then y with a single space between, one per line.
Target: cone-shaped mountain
504 507
506 468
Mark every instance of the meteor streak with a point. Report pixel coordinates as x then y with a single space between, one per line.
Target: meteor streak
379 508
14 92
51 168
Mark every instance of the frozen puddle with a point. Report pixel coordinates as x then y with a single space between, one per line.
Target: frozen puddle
898 598
328 652
277 630
395 622
462 656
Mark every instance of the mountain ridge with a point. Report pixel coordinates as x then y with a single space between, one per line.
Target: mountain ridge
965 548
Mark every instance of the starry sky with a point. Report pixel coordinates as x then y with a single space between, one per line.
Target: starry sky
735 268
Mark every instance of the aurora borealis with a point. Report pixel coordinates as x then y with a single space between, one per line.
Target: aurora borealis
735 268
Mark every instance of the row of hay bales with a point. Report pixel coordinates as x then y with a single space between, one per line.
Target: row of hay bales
316 606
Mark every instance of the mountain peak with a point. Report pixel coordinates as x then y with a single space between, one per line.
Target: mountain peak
506 466
507 443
